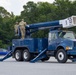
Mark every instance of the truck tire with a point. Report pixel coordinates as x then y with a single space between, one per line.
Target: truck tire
45 59
26 55
18 55
61 56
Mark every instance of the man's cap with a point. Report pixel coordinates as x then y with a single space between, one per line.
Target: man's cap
22 19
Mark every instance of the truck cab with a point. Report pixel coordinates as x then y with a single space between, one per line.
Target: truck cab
60 42
61 37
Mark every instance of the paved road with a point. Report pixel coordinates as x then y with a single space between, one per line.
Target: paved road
51 67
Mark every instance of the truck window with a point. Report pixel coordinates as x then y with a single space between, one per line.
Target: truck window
52 36
66 35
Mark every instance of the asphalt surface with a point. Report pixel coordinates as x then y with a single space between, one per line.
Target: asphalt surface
51 67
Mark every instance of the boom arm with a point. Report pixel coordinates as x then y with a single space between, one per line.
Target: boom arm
65 23
43 25
40 26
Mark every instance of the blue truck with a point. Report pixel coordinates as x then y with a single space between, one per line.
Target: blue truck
60 44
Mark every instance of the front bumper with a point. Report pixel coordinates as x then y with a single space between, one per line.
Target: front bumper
72 52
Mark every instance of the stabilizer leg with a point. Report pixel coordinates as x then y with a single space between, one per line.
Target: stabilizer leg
39 56
8 55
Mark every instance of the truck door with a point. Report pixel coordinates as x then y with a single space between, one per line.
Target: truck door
52 41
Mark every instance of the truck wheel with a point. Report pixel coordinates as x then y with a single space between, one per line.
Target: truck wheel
26 55
61 56
18 55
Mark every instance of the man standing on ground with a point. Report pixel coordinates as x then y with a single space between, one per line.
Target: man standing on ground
22 25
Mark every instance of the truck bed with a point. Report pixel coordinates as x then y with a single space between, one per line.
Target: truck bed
35 45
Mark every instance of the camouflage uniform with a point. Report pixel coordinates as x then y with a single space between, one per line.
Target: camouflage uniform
16 28
22 25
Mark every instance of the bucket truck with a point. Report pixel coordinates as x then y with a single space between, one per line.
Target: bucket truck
60 44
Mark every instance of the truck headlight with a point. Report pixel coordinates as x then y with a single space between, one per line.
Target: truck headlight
13 45
68 48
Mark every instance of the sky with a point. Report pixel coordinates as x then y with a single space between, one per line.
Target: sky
16 6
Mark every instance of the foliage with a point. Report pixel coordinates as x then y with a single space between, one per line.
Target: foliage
34 13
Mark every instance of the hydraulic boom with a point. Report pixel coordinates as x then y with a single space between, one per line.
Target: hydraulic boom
65 23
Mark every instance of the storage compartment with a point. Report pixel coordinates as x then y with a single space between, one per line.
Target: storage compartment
42 44
30 43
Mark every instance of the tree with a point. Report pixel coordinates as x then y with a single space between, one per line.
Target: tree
4 13
6 22
34 13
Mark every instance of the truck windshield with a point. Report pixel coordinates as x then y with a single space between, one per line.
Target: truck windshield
69 35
